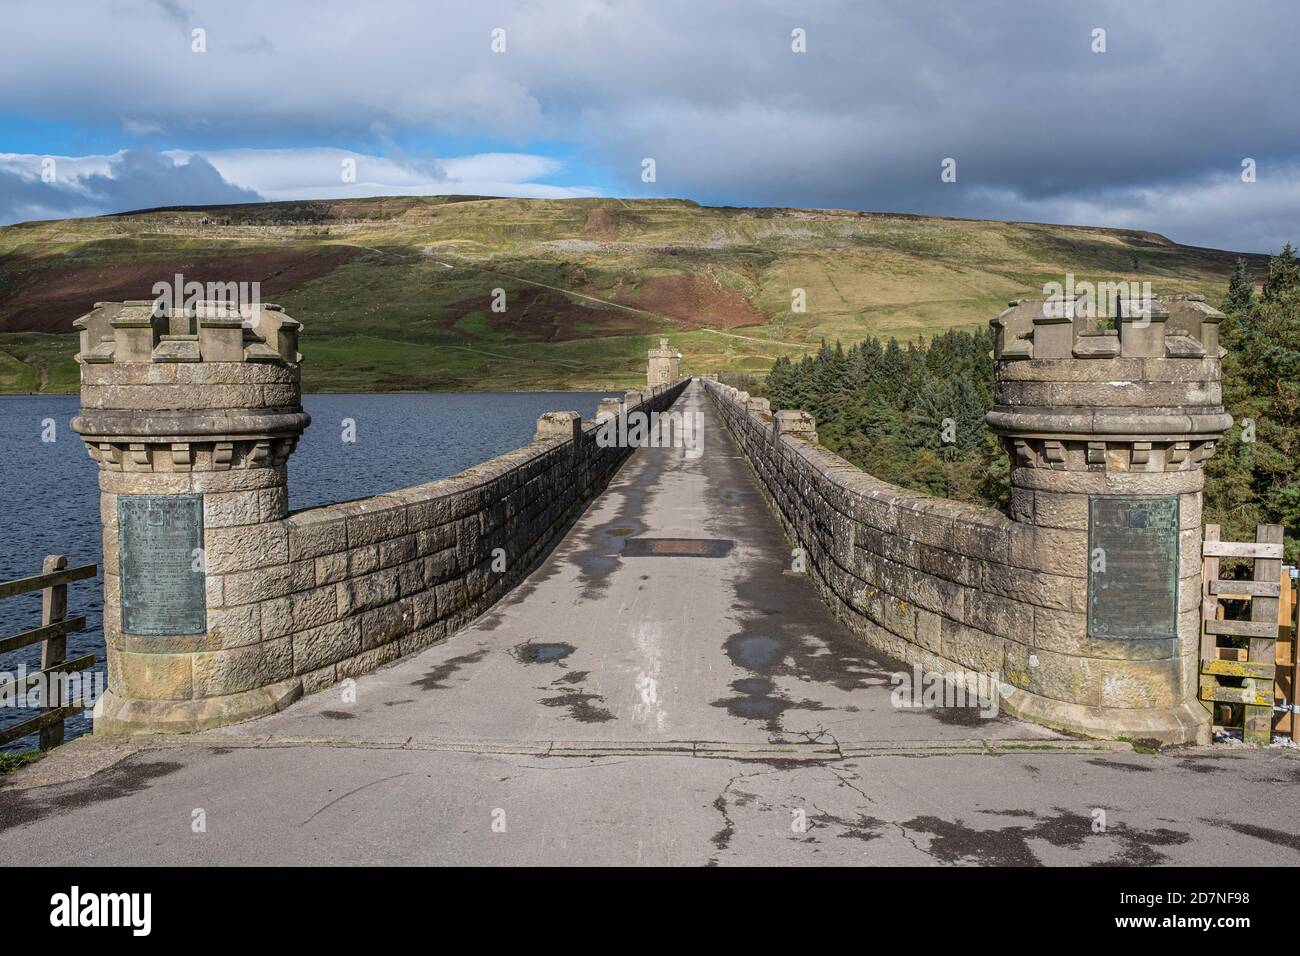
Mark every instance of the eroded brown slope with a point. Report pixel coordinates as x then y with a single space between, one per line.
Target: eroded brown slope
40 296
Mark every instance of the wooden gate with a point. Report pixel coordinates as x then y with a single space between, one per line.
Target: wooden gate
1248 660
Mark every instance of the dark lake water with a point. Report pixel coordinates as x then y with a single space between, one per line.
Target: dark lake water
49 492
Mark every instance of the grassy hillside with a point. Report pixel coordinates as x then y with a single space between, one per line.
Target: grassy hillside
394 293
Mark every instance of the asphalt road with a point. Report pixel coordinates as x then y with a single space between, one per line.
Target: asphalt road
331 805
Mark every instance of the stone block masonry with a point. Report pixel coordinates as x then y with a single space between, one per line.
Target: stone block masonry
1097 422
207 403
663 364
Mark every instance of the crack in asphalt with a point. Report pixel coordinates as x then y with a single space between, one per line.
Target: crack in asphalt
893 823
351 793
821 733
846 783
722 839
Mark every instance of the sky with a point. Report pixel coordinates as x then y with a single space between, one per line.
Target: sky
111 105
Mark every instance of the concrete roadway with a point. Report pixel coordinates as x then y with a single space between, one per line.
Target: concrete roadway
652 709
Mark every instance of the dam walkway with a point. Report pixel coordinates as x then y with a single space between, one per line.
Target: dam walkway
662 689
667 617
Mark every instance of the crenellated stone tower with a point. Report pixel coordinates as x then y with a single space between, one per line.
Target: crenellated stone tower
1107 424
664 364
192 416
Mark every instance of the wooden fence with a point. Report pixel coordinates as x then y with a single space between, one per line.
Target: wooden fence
52 635
1248 664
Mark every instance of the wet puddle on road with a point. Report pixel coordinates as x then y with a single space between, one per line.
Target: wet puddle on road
530 653
757 652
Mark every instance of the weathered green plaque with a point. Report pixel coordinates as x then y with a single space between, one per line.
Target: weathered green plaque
159 542
1132 567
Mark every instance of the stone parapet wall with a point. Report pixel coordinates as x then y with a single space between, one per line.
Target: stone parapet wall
200 408
956 587
297 603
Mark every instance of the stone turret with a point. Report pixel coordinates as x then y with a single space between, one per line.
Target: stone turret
191 415
1107 424
664 365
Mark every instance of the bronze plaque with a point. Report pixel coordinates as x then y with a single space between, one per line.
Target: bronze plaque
1132 567
159 549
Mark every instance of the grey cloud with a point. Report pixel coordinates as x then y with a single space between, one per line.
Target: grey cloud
140 178
1036 121
22 198
137 179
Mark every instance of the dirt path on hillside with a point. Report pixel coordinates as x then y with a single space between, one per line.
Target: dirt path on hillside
587 297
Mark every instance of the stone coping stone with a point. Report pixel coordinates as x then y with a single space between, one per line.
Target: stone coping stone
472 478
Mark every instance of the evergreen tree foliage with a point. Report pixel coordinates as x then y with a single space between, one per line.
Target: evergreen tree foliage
1241 291
1283 275
911 414
1254 476
885 406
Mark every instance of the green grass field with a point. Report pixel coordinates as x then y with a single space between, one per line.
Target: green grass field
404 301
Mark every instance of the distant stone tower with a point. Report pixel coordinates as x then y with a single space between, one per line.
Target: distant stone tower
191 416
664 365
1107 429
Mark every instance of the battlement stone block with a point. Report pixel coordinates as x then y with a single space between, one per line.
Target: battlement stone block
564 425
797 423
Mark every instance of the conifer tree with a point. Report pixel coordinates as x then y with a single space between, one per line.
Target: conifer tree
1241 291
1283 274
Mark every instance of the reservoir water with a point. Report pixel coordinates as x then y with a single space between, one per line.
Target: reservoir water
49 491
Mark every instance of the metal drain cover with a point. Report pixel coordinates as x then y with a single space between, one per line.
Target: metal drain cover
677 547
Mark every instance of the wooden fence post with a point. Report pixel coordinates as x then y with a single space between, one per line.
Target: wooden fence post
1257 724
1209 607
54 650
1284 679
1293 623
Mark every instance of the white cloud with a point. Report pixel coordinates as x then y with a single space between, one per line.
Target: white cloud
68 169
318 173
141 127
501 167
